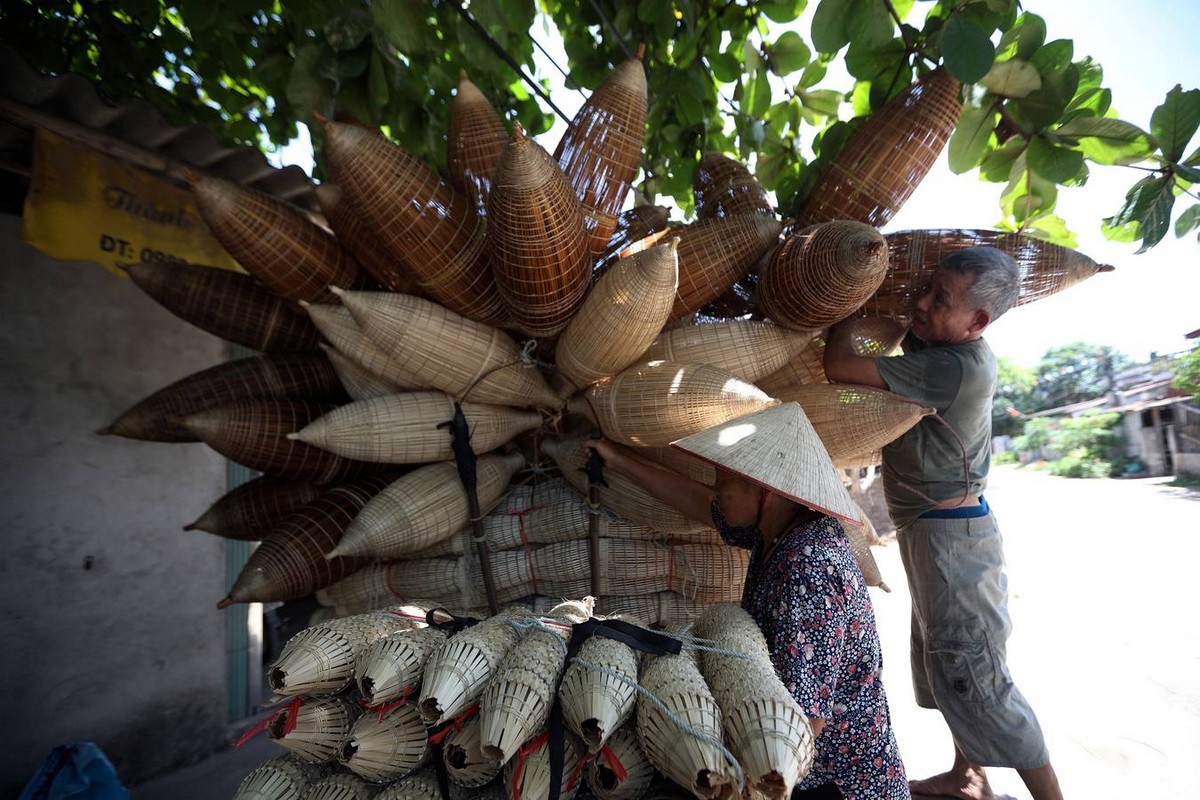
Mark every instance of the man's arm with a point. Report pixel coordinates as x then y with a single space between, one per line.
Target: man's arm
691 498
843 365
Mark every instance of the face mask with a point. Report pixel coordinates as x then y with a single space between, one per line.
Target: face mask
735 533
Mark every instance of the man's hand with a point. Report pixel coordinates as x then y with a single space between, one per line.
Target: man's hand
843 365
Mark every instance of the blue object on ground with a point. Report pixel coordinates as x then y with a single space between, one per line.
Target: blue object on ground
78 771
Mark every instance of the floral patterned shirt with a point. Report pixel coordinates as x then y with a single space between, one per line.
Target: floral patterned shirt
811 602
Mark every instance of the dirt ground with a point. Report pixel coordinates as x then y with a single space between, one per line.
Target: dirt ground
1106 646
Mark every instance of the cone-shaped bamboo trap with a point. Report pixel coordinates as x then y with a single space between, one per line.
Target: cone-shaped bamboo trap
620 771
747 349
861 536
466 763
411 428
337 325
279 778
341 786
723 187
474 141
387 745
633 225
312 729
714 253
359 382
231 305
528 775
392 666
360 242
423 785
868 337
596 702
253 509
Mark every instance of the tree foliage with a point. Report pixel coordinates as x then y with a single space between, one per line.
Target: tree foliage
1014 397
732 77
1075 372
1187 372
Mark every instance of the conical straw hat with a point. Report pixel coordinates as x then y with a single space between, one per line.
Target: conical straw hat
778 449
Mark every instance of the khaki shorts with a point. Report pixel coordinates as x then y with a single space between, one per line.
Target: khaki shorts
960 625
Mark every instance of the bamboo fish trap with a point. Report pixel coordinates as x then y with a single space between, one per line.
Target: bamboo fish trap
634 225
528 775
466 763
392 667
869 337
425 506
723 187
474 142
312 729
536 239
822 274
229 305
622 314
279 778
341 786
885 159
1046 268
747 349
423 785
516 704
433 347
620 771
321 660
657 403
386 745
411 428
380 584
302 376
597 702
716 252
359 382
250 511
274 241
764 726
359 241
423 223
458 672
337 325
602 148
854 420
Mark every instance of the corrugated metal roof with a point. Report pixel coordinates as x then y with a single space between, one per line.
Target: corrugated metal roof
75 100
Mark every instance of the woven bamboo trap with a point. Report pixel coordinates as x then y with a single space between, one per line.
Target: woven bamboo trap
536 239
411 428
474 141
358 381
392 666
303 376
714 253
620 771
421 222
359 241
885 159
861 537
380 584
528 775
425 506
279 778
432 346
868 337
312 729
321 660
250 511
387 745
654 404
596 702
1046 268
341 786
723 187
622 314
747 349
292 561
423 785
602 148
230 305
466 763
274 241
633 225
457 673
337 325
822 274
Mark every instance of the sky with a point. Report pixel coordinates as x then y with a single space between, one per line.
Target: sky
1150 301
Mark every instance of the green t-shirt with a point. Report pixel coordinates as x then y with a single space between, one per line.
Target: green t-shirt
931 462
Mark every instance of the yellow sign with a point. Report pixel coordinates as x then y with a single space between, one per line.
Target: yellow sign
86 206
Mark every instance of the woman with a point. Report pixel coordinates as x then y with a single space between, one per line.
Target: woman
778 495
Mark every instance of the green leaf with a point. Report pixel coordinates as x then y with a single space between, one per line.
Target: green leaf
1175 121
966 49
782 10
306 90
1056 164
998 164
1053 57
1106 140
725 67
870 24
825 102
1188 221
1052 228
813 74
402 23
1023 38
347 31
1014 78
1146 212
830 31
377 83
1042 108
788 54
1189 174
971 136
1028 195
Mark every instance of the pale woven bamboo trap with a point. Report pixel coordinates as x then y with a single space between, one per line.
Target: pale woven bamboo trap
662 609
602 148
254 433
291 561
321 660
312 729
411 428
868 337
431 346
714 253
822 274
764 725
391 667
474 141
274 241
387 745
420 221
251 510
230 305
723 187
279 778
341 786
536 240
423 785
622 314
528 775
655 404
466 763
747 349
598 690
885 160
337 325
457 673
620 771
381 584
1046 268
425 506
679 462
633 225
359 382
307 376
861 536
360 242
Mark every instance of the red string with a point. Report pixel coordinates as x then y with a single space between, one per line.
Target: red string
522 754
520 515
454 724
614 763
256 729
575 773
384 708
388 576
292 710
293 715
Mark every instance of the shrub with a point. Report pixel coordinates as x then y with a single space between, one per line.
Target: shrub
1007 457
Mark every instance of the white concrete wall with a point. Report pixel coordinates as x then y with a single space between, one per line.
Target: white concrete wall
109 629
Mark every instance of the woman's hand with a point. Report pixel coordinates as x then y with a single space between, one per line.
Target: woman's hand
608 451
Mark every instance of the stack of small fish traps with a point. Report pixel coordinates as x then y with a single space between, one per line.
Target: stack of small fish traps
432 355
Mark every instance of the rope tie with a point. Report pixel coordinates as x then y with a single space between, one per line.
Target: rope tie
520 515
526 358
383 708
610 758
522 754
390 586
453 724
292 709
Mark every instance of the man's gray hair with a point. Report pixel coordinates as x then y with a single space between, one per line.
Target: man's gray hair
997 278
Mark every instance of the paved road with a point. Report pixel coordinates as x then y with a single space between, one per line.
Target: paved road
1106 644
